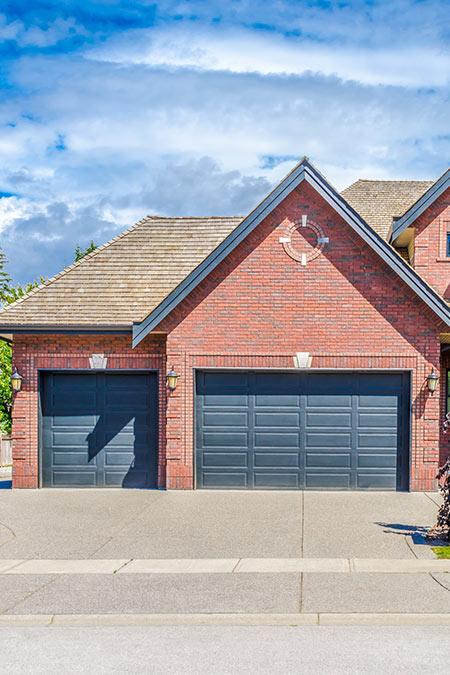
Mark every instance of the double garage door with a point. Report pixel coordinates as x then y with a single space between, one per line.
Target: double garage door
99 430
347 430
340 430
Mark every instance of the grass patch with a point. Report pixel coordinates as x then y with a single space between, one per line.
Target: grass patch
441 551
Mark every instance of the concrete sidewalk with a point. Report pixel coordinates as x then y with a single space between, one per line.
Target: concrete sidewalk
228 566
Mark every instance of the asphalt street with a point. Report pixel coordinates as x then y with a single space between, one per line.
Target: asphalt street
224 650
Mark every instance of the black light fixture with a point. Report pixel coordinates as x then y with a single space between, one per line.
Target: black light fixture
16 381
432 380
172 379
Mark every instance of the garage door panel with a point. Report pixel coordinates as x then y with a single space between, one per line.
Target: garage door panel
225 419
331 440
278 440
377 461
225 381
276 480
279 383
328 401
81 449
224 480
74 479
67 399
71 421
229 460
331 481
70 438
234 400
276 419
335 420
347 430
380 401
377 419
376 440
376 480
119 458
224 439
328 459
71 458
280 400
274 460
377 383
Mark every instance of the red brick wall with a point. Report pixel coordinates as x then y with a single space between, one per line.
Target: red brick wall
32 352
445 437
259 307
430 257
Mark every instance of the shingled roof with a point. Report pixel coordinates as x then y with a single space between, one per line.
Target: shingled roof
379 201
121 281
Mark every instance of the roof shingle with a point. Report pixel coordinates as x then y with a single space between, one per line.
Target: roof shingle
379 201
123 280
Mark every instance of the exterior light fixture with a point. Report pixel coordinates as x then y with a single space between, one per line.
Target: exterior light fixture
432 380
16 381
172 379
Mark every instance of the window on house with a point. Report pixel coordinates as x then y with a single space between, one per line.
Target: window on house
448 244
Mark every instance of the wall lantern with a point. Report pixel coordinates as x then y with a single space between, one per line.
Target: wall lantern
432 381
16 381
172 379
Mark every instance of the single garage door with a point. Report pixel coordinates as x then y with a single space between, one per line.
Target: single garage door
341 430
99 430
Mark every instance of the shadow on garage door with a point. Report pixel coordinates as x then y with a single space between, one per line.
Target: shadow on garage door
99 429
328 430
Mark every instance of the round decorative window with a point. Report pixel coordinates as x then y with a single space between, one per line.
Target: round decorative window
304 240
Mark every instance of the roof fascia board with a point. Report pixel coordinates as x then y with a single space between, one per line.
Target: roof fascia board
421 204
64 330
304 171
140 330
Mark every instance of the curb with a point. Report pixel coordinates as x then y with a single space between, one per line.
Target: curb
292 620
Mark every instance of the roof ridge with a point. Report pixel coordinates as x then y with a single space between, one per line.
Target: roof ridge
73 265
153 217
389 180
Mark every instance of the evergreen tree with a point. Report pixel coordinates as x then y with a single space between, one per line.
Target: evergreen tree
80 252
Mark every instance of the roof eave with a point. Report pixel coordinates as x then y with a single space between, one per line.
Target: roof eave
16 329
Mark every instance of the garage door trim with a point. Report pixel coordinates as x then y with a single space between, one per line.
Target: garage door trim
81 371
406 371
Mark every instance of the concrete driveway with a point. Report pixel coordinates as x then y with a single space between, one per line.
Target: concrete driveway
314 527
210 524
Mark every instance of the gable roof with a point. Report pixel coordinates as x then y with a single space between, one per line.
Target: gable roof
119 282
428 198
380 201
304 171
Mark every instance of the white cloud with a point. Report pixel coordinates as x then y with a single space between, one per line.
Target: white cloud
244 51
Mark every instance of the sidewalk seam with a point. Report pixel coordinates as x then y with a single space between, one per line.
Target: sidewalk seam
236 566
123 565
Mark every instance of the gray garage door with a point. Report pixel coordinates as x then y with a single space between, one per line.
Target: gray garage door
306 430
99 430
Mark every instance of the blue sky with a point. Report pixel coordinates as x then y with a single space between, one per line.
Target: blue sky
112 110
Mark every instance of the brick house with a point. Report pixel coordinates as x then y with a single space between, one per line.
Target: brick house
303 336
